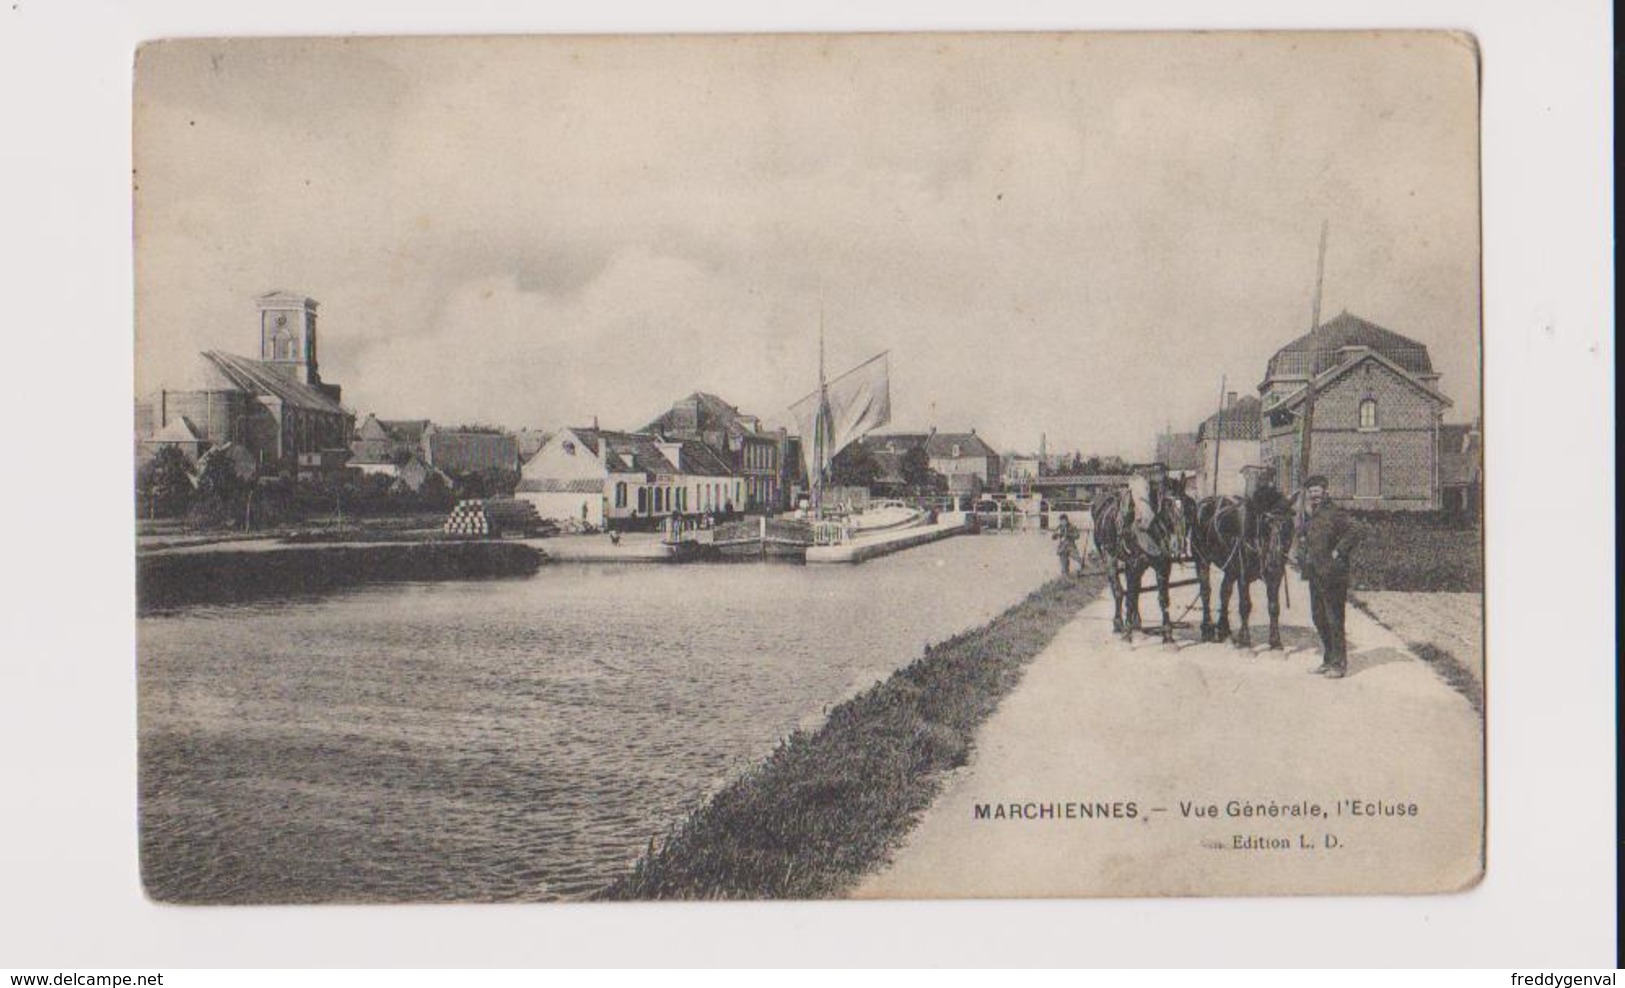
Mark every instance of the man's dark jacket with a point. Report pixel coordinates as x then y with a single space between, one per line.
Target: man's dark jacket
1328 539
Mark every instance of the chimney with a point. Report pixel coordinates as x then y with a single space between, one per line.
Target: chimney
1230 399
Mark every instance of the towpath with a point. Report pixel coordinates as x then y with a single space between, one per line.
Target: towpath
1097 724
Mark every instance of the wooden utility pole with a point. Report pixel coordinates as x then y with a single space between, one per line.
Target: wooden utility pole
1218 433
1306 424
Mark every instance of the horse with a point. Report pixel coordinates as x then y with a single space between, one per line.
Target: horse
1129 550
1247 539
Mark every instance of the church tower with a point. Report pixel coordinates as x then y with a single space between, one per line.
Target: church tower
288 335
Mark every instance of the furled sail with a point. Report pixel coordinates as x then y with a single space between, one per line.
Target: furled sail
843 411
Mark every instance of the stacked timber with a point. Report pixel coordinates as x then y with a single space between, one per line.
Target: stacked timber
493 517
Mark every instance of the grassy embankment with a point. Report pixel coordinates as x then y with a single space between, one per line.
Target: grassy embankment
166 580
1419 553
1422 555
827 806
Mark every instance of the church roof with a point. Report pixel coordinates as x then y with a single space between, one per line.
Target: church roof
259 378
1317 351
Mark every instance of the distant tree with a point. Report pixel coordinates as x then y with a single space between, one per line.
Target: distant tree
916 469
855 466
918 475
435 494
218 480
219 495
164 483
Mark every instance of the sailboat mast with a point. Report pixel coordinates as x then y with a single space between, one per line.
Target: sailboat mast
820 443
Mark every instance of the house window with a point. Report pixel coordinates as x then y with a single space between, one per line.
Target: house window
1368 414
1368 475
643 500
620 494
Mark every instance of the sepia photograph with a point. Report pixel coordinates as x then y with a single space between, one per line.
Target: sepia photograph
886 466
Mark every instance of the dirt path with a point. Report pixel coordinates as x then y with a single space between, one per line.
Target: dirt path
1097 725
1453 622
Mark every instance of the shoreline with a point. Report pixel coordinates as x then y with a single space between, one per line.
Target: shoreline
826 807
173 579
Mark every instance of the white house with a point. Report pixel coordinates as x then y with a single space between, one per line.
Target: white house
602 478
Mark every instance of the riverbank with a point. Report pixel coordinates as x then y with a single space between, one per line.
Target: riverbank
827 806
247 572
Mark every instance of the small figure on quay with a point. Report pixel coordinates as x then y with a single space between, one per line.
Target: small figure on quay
1066 545
1329 539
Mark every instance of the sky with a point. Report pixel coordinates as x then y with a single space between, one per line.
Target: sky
1077 236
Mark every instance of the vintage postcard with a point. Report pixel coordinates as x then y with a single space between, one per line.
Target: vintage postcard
808 466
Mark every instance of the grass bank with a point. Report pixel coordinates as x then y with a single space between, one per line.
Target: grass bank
168 580
827 806
1404 553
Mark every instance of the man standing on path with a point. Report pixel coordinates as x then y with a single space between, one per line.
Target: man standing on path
1066 545
1329 539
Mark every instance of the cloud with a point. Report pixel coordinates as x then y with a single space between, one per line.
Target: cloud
1063 234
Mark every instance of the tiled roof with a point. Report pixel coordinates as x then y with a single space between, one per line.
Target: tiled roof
1321 347
703 461
640 452
258 378
1242 420
450 449
713 414
941 444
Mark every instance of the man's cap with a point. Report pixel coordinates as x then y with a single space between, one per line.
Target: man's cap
1318 480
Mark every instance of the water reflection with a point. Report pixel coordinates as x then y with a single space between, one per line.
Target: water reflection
509 739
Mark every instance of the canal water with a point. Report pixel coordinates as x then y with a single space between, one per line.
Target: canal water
515 739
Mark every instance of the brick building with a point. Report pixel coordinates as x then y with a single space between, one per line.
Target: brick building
1376 421
277 407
